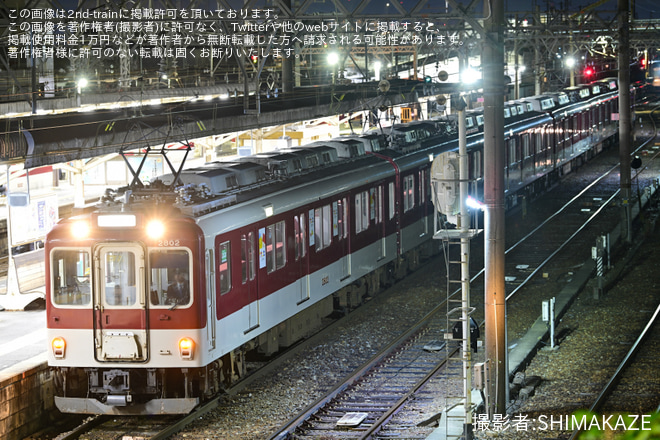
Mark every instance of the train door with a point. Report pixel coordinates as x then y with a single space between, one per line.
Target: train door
249 275
377 196
301 256
341 225
120 320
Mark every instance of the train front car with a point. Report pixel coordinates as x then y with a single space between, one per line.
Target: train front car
126 313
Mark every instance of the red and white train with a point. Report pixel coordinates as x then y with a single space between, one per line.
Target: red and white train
263 248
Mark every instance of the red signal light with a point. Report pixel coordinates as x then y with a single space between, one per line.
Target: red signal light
588 71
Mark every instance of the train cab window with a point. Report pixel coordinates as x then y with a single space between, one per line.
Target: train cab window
71 277
169 278
119 280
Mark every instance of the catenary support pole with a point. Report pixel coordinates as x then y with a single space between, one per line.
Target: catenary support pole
625 124
494 296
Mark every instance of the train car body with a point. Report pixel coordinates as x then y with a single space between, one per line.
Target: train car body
154 299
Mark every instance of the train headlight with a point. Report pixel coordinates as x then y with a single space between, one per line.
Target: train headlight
186 348
80 229
59 346
155 229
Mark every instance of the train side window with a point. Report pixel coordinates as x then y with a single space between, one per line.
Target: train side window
340 227
252 259
71 277
247 257
244 259
379 204
318 228
392 199
422 187
303 237
361 212
513 150
224 267
327 226
275 247
296 238
322 227
270 252
335 218
527 151
343 217
408 193
280 245
299 236
168 268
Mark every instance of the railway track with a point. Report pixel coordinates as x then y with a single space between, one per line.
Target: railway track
363 403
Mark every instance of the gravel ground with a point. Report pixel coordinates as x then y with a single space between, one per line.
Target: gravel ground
594 336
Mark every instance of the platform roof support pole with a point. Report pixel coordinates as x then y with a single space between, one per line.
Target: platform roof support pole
78 185
494 294
625 128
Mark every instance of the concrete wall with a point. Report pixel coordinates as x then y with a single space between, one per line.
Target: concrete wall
27 404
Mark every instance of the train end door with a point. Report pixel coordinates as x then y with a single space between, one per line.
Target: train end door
120 310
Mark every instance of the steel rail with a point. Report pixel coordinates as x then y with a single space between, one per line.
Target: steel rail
614 380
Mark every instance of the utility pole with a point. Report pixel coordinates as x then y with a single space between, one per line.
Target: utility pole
495 294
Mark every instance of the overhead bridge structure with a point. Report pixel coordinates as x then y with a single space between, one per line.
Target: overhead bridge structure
98 127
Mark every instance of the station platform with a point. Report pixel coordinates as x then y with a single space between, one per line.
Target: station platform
23 343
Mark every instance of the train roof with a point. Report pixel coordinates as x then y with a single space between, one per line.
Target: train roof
219 184
541 103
